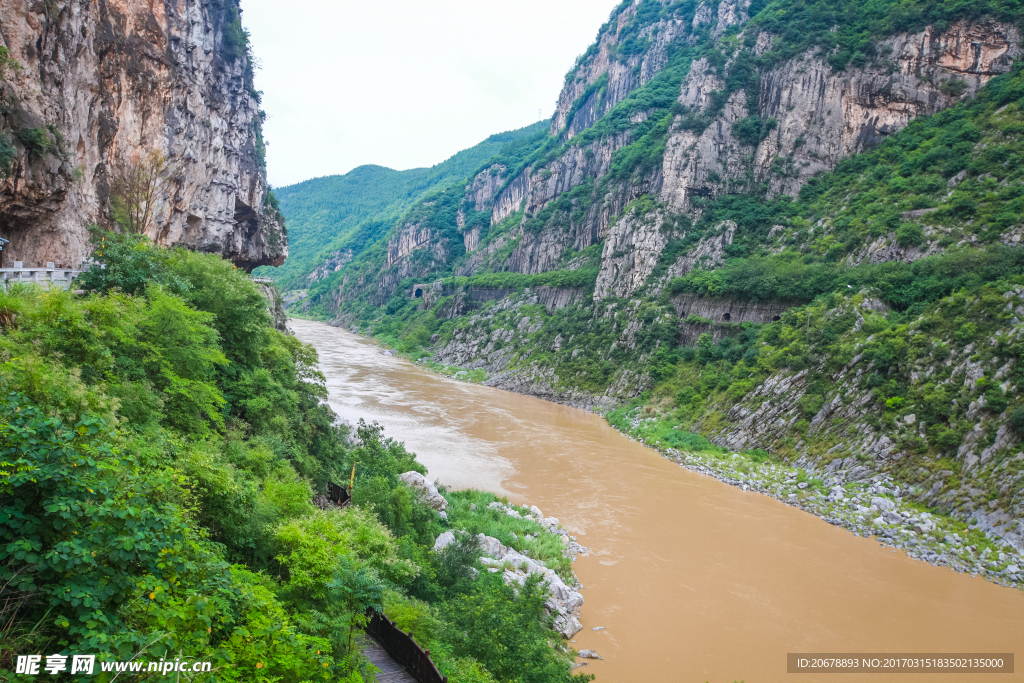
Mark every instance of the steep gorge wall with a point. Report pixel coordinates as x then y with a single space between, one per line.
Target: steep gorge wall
818 116
116 79
574 204
821 115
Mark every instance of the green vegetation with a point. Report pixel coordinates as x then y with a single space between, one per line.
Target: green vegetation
7 155
234 38
897 261
41 140
847 31
352 211
7 62
161 446
553 278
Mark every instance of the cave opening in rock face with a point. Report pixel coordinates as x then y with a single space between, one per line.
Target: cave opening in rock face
727 317
776 318
418 293
244 214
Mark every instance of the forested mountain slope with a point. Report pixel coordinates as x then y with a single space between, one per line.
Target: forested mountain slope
333 218
788 226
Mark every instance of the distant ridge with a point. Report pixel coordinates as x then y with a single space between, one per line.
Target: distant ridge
332 214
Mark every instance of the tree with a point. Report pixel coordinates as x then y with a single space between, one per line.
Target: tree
135 188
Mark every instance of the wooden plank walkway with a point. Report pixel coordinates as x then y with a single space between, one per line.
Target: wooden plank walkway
390 670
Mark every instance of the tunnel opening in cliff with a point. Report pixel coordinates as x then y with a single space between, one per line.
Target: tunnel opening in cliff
418 293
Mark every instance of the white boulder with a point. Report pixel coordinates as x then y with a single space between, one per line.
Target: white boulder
882 504
425 491
564 603
444 540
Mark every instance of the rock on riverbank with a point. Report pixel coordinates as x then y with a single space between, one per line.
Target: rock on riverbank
564 601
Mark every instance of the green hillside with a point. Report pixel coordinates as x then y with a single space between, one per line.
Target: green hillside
351 211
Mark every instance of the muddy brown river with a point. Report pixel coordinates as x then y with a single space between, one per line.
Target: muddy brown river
693 580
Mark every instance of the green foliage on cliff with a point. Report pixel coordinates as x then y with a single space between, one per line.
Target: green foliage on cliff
234 38
847 31
928 417
161 448
583 278
789 277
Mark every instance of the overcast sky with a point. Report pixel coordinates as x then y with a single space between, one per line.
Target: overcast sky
406 83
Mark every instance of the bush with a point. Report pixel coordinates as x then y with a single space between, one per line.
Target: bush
8 153
1016 420
687 441
130 263
752 130
149 440
909 234
235 39
40 141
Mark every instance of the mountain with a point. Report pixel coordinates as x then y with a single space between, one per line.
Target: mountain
131 113
789 228
332 219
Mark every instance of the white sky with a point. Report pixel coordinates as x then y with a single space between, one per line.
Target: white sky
406 83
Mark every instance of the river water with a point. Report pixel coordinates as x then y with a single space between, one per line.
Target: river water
693 580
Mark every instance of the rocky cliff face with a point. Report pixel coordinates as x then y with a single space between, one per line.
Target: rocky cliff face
820 116
621 184
659 240
629 52
106 82
809 117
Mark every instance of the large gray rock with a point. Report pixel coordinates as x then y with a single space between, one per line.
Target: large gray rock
444 540
892 517
882 504
492 547
924 526
426 491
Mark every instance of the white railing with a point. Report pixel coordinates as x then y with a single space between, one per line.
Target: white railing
45 276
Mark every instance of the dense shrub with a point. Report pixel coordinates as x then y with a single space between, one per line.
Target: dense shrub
162 446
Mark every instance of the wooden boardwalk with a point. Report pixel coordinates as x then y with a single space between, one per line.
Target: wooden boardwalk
390 670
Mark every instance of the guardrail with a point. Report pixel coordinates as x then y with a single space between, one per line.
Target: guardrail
47 276
262 280
403 649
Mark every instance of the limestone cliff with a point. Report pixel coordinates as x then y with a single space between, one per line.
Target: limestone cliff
615 138
811 117
103 82
820 116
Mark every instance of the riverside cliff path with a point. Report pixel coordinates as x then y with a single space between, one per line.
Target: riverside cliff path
390 670
693 579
